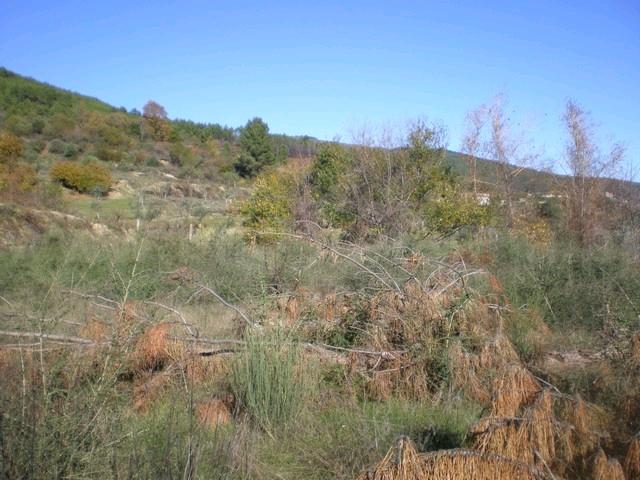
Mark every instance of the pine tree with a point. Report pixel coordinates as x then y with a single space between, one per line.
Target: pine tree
257 148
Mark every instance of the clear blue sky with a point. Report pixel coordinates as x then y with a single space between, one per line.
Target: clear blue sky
320 68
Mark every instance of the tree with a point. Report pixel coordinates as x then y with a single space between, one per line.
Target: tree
257 148
155 117
587 167
502 145
471 144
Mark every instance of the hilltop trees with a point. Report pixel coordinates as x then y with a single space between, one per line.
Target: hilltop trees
257 148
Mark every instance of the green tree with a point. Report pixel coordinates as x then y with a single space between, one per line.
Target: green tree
257 148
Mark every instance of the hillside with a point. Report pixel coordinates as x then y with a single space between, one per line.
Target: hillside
186 300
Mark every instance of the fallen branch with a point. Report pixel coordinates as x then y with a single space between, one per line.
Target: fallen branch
205 288
45 336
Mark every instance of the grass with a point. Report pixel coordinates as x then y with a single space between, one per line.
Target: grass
271 380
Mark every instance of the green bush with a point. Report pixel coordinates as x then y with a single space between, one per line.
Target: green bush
270 206
70 150
89 178
57 146
569 285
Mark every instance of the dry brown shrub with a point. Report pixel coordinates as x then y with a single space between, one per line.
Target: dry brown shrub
403 462
95 330
215 412
607 469
635 348
154 349
200 369
632 460
465 376
515 388
496 286
149 388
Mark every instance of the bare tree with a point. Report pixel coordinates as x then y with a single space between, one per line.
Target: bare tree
471 142
507 149
490 131
587 167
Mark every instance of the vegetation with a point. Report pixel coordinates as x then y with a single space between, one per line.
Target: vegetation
187 300
89 178
257 151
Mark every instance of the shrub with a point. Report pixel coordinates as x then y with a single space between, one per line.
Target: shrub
108 154
11 147
18 178
70 150
89 178
57 146
270 205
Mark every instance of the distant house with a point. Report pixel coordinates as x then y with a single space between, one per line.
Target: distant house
483 199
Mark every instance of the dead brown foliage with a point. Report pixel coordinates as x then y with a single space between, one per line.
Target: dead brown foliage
403 462
632 460
149 388
153 349
607 469
215 412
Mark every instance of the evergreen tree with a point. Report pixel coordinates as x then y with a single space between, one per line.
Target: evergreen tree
257 148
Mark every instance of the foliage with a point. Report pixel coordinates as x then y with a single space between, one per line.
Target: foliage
85 178
11 147
270 205
257 148
370 190
17 178
156 118
570 286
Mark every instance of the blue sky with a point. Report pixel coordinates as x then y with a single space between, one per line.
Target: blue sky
323 68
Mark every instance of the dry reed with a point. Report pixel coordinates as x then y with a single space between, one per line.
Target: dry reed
403 462
632 460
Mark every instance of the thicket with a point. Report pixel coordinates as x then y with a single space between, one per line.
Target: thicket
84 178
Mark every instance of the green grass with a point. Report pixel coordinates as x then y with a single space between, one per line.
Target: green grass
105 210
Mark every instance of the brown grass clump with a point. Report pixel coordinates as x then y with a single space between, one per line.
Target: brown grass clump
530 439
515 388
205 369
632 460
153 349
215 412
471 371
403 462
607 469
149 388
635 348
95 330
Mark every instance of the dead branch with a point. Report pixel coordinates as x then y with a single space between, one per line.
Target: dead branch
45 336
192 330
205 288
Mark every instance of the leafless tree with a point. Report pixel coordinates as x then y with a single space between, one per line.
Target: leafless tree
491 132
588 168
471 142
